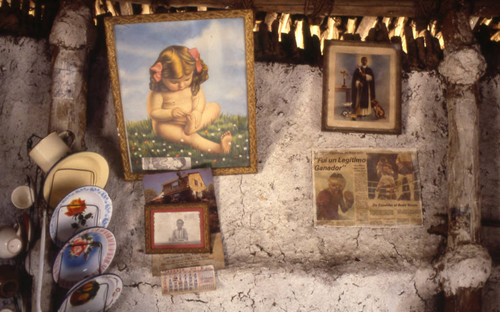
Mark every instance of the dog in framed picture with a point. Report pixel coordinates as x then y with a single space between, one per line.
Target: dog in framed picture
378 110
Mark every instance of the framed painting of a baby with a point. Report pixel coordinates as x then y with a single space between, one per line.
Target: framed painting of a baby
183 90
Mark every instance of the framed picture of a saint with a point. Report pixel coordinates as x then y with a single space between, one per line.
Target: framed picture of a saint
361 87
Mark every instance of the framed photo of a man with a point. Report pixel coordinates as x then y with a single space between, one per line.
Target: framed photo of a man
180 228
362 87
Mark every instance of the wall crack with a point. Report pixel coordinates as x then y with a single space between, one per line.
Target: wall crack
136 285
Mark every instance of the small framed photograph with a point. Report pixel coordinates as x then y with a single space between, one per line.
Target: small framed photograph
183 90
361 87
177 228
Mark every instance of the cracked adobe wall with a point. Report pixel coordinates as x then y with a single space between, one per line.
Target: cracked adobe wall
276 259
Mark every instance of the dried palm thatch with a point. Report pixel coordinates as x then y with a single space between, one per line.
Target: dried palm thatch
293 31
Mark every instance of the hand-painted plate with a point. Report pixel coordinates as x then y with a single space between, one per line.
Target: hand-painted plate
97 293
85 207
86 254
72 172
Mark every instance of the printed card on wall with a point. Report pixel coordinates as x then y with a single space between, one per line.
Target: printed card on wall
377 188
174 187
183 186
186 280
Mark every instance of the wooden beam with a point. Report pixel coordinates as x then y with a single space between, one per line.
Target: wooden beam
126 8
391 8
71 39
466 265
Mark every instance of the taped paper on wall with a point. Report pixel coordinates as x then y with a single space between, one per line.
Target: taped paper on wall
187 280
376 188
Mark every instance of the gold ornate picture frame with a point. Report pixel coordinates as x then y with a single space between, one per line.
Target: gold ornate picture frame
361 87
177 228
183 90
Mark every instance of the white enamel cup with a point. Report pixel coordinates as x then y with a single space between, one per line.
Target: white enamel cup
50 150
22 197
11 243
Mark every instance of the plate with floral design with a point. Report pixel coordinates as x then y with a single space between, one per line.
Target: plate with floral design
85 207
97 293
86 254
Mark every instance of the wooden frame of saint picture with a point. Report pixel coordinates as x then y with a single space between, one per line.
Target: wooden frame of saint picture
361 87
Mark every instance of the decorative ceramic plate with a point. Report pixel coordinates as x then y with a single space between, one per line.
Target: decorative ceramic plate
86 254
96 293
85 207
72 172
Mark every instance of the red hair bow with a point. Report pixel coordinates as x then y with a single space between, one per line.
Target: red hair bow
157 68
196 55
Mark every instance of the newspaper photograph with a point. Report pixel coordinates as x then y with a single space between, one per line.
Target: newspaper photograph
374 188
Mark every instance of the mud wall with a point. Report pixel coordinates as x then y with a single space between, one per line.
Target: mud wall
276 259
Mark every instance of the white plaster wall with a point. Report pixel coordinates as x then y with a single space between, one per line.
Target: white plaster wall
490 146
491 291
490 183
270 216
276 259
24 105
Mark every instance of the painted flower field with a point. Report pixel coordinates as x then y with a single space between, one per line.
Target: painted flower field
144 143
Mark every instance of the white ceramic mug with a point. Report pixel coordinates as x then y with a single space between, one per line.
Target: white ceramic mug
51 149
22 197
11 243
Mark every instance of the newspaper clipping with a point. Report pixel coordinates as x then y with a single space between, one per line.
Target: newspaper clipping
375 188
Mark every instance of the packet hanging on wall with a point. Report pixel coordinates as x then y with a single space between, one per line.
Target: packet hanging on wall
188 280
